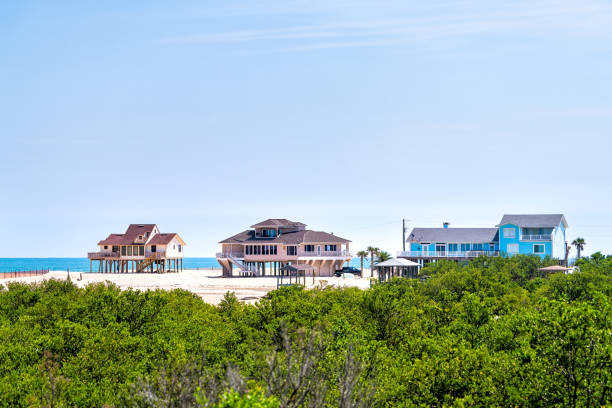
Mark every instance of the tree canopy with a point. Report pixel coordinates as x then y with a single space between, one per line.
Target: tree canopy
494 332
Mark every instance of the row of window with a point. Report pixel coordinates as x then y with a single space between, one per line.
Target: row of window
267 233
291 249
132 251
261 249
462 247
510 248
327 248
511 232
538 249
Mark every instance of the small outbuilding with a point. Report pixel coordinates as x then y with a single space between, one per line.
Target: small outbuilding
294 275
554 268
397 267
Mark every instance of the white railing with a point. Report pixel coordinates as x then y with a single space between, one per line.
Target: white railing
236 255
96 255
531 237
344 254
117 255
445 254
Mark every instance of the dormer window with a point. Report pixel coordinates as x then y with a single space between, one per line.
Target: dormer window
140 237
268 233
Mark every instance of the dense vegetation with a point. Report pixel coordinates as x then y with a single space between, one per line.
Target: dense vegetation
491 333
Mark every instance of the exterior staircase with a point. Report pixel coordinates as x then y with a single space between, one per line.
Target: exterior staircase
244 270
146 263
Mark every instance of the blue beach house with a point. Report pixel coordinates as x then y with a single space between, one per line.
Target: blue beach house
537 234
532 234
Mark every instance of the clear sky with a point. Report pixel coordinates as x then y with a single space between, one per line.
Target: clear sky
206 117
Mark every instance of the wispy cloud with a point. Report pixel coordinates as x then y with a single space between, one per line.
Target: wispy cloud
332 27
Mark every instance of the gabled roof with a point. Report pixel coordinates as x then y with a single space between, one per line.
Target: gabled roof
165 239
287 238
113 239
134 230
458 235
278 222
297 268
534 220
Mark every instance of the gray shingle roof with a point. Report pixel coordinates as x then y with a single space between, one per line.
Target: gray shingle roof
458 235
533 220
288 238
278 222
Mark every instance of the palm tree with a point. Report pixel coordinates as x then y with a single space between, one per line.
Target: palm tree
362 254
373 251
579 244
383 256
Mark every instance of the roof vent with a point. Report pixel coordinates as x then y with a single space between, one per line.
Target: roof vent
446 224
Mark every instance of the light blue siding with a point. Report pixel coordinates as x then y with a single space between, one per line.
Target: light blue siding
555 247
504 242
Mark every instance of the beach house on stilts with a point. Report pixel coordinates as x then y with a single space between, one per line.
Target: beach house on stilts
142 248
275 243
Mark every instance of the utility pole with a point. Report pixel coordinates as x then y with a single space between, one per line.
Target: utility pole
404 234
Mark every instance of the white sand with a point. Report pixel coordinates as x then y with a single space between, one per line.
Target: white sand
206 283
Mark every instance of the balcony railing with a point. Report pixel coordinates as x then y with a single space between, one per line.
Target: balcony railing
445 254
343 254
117 255
97 255
239 255
531 237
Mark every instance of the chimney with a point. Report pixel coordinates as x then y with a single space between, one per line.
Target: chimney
446 224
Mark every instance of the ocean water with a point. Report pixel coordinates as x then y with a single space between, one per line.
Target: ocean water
82 264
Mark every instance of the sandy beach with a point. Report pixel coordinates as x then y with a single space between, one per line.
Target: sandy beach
206 283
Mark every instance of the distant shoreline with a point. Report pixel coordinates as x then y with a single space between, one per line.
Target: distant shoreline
82 264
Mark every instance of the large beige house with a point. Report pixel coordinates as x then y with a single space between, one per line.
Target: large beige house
141 248
271 244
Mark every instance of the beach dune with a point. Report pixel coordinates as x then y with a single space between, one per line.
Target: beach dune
206 283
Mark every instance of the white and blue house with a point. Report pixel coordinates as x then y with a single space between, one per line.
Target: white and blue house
531 234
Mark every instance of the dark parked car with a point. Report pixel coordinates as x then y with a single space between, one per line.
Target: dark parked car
348 269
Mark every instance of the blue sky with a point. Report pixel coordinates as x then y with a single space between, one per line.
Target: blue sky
206 117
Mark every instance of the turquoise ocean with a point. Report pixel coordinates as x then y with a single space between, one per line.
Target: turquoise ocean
82 264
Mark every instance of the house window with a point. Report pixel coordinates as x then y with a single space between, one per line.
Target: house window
452 247
513 248
180 248
141 250
268 233
465 247
509 233
330 248
309 248
115 248
129 251
153 248
292 250
538 248
105 246
123 251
